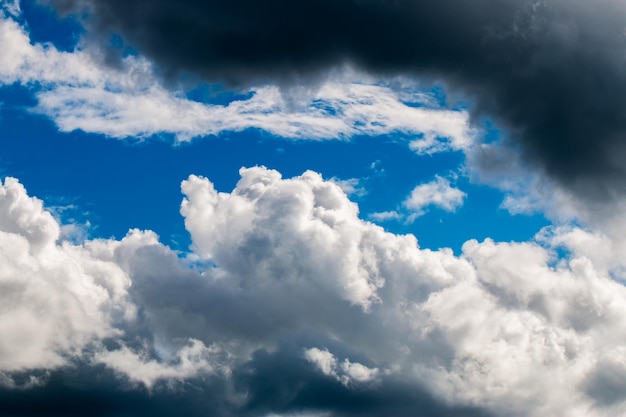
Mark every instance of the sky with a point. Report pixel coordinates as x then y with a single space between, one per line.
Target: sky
314 208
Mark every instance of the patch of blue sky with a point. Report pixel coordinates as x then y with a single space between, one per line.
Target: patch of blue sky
216 94
127 184
324 106
45 26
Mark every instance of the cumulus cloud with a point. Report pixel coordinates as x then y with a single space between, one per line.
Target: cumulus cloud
346 372
437 193
57 299
79 92
287 286
62 301
498 325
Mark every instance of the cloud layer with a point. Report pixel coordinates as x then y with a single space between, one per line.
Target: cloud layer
79 92
290 303
551 72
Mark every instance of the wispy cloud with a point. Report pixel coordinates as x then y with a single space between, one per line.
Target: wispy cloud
79 92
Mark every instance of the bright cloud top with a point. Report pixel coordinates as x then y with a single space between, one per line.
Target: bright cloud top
285 273
80 93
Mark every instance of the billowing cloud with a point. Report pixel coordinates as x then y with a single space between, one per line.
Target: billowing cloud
56 299
551 72
291 303
80 93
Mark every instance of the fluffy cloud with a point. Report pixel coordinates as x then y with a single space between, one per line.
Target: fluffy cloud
62 302
79 92
56 299
507 326
287 286
346 372
437 193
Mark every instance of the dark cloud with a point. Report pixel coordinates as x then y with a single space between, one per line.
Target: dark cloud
84 390
283 382
551 72
279 382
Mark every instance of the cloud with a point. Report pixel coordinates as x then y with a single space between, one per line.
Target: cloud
79 92
362 110
346 372
62 302
353 187
291 303
383 216
189 361
57 299
498 325
549 72
437 193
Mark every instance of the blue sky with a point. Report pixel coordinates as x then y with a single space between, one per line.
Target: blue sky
118 184
360 238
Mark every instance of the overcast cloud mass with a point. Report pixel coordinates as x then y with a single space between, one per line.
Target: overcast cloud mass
552 71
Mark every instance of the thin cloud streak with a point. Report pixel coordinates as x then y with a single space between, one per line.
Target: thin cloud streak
79 93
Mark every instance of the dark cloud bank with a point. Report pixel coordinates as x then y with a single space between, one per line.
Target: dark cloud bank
552 72
278 382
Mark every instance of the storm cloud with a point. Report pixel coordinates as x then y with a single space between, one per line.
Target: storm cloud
552 72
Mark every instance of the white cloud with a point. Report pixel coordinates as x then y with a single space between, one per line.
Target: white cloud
56 298
511 328
436 193
383 216
60 301
500 327
353 187
12 7
347 372
189 361
323 359
526 191
321 218
80 93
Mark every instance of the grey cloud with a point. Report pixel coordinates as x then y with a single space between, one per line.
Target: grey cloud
85 390
278 383
607 383
551 72
283 382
